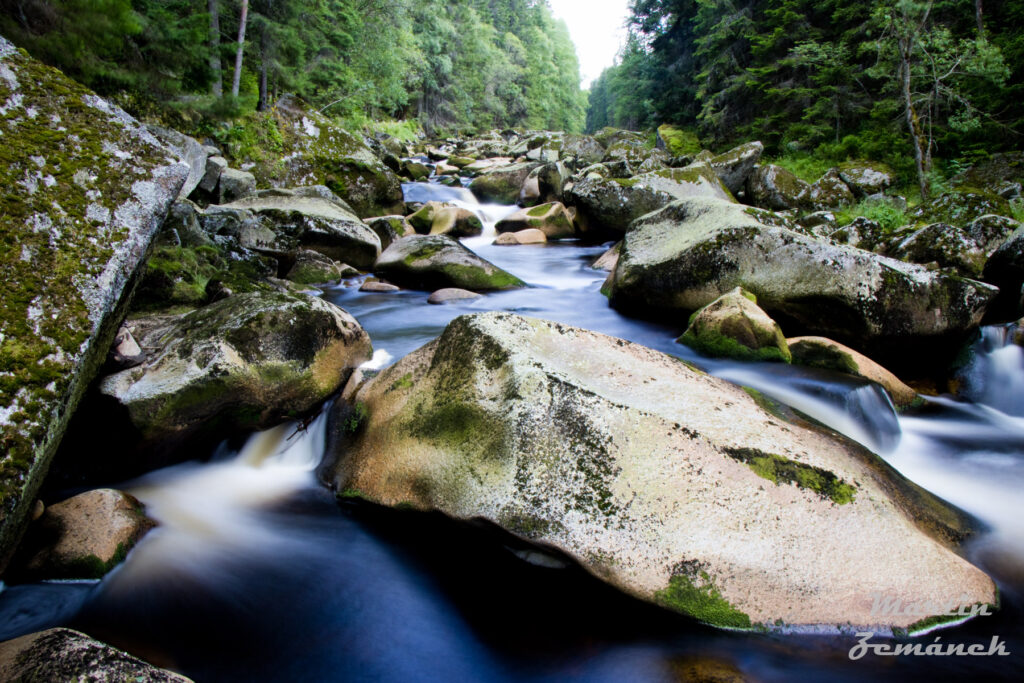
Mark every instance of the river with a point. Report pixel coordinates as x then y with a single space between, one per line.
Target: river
258 573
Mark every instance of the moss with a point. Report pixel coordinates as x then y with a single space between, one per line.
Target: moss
539 211
679 142
692 592
403 382
352 494
780 470
827 357
528 525
713 343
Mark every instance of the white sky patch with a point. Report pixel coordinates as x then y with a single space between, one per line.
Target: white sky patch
597 28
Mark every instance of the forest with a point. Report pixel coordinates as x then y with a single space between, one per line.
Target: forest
906 81
448 65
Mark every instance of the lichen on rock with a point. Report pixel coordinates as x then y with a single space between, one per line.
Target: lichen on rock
85 189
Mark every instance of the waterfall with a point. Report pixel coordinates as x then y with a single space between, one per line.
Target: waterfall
995 375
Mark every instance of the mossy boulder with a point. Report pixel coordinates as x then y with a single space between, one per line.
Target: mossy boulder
830 192
734 326
631 150
990 231
414 170
61 654
866 178
947 245
86 188
994 171
176 277
961 206
819 352
244 362
677 487
544 184
861 232
440 218
234 185
501 185
735 166
434 262
551 219
678 142
313 150
611 205
390 228
312 267
314 223
773 187
686 255
580 151
83 537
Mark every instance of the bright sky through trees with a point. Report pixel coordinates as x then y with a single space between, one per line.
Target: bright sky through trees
598 29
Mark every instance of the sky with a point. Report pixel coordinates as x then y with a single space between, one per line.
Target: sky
597 28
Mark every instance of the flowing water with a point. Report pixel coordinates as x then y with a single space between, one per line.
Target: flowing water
258 573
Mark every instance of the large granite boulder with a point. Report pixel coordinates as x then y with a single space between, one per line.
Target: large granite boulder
580 151
735 166
961 206
501 185
247 361
439 218
773 187
1005 269
434 262
677 487
829 191
86 189
691 252
61 654
315 151
820 352
948 245
866 178
610 205
315 223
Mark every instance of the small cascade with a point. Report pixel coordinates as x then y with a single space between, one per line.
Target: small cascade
213 511
995 376
489 214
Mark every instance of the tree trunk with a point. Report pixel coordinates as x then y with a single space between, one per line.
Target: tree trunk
979 15
217 85
913 123
261 105
241 48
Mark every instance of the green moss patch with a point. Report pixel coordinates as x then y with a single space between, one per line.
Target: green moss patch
696 595
679 142
715 344
780 470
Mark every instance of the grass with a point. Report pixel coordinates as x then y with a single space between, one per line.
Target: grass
806 167
886 214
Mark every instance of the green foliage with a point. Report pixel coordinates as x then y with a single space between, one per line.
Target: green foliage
698 597
464 64
807 167
821 77
885 213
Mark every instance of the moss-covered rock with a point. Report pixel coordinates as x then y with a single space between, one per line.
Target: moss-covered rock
440 218
611 205
677 487
551 219
390 228
830 192
631 150
580 151
436 261
414 170
961 206
678 142
993 171
176 277
83 537
947 245
311 268
61 654
544 184
820 352
734 167
502 185
734 326
990 231
313 150
691 252
866 178
247 361
314 223
234 185
85 189
773 187
861 232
